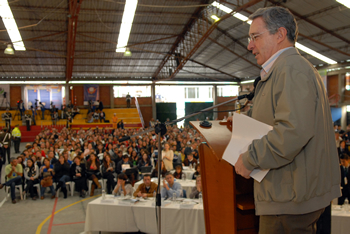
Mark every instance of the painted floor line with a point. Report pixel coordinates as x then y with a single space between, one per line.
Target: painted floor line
60 224
38 230
3 201
52 216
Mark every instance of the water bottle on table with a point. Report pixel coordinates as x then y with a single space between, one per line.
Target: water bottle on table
103 194
183 176
200 198
174 196
346 205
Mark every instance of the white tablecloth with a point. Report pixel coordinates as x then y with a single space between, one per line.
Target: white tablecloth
186 185
117 217
340 221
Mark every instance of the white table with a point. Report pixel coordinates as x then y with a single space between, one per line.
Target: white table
340 221
117 217
186 185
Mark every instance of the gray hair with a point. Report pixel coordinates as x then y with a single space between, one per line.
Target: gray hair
12 159
276 17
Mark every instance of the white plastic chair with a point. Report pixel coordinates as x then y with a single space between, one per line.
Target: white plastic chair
90 183
37 188
68 185
72 186
8 188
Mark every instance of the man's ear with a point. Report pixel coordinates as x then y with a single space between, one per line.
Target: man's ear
281 34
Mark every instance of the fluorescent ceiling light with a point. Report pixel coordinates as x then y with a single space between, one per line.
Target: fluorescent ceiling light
229 10
33 82
11 26
214 17
247 82
195 83
314 53
125 27
344 2
109 82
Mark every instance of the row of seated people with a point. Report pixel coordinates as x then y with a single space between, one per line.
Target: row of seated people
170 188
51 144
79 172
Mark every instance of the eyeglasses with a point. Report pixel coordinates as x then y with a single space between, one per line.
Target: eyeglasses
254 36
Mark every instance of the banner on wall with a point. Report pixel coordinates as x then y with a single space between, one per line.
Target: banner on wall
4 96
91 92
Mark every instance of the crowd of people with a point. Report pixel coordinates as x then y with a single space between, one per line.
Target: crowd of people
95 155
342 138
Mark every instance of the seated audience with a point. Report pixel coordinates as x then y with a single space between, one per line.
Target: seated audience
123 164
345 178
50 145
93 172
147 188
78 175
144 161
123 187
178 172
108 168
190 161
170 187
14 172
343 148
155 171
46 174
31 174
198 189
197 173
62 174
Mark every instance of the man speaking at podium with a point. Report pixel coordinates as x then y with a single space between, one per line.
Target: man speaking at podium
300 151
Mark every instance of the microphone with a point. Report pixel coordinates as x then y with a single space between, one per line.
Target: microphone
250 96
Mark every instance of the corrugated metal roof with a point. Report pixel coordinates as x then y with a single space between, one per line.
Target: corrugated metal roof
223 56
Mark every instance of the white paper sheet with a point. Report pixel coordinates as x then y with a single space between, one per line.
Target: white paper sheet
244 131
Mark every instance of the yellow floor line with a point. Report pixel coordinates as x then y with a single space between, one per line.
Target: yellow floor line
38 230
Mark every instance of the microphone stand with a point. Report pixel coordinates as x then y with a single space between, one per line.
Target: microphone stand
161 129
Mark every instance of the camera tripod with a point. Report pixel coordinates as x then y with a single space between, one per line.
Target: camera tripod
7 104
17 114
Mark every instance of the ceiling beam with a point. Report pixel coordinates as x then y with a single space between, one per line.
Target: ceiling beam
92 11
207 66
188 25
99 22
207 34
228 49
100 32
74 8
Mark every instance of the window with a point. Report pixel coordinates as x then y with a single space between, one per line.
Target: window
191 92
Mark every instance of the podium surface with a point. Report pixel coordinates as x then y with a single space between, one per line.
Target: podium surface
227 198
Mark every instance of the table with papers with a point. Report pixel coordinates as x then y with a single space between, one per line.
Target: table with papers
117 215
186 184
340 220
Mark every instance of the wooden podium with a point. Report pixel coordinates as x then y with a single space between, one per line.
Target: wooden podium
227 197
